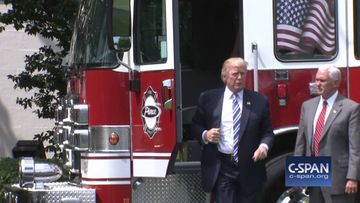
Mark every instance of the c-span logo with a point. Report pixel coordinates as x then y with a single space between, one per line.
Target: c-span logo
308 171
150 112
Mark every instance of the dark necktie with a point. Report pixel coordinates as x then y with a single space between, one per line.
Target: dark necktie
236 126
319 128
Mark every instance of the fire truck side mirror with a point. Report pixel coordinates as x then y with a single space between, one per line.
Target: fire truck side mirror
119 25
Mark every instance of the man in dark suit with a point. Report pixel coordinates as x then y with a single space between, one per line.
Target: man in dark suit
233 124
338 137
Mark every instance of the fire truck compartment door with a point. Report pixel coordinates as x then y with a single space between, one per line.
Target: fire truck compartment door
152 108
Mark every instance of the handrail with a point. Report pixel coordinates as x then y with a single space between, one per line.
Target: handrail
254 49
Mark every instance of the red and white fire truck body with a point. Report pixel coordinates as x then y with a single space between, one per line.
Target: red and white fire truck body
136 69
140 105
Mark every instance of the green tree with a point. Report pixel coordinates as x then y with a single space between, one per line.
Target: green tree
43 74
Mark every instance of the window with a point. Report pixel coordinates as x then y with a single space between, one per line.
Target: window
305 30
150 32
89 45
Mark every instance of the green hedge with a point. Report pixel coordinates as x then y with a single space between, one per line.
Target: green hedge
9 174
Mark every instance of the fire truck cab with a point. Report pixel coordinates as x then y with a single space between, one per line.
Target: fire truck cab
137 67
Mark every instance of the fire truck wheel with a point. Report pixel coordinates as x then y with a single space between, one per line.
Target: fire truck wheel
274 187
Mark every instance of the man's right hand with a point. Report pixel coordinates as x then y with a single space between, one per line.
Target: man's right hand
213 135
351 187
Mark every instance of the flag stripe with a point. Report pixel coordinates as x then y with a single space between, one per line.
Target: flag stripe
304 25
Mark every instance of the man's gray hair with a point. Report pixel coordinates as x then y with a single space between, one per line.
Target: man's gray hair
334 72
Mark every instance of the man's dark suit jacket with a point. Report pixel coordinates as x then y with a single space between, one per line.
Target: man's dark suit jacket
255 128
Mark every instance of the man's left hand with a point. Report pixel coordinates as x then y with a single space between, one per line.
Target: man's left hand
351 187
260 153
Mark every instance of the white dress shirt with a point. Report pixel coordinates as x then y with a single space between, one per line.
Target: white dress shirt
226 142
330 102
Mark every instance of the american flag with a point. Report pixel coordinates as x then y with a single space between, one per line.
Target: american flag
305 25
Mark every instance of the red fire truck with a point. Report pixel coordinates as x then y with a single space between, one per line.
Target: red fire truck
136 69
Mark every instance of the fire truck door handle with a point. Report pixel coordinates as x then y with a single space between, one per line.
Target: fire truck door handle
166 93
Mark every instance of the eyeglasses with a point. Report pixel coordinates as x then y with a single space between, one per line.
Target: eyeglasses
237 74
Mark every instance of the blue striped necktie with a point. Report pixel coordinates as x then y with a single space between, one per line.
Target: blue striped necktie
236 125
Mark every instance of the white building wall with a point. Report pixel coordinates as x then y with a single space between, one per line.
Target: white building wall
15 122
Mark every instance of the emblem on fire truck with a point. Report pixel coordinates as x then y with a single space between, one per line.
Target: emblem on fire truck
150 112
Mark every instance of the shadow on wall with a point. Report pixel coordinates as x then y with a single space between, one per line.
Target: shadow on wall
7 137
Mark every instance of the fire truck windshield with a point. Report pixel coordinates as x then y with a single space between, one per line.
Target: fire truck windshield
89 46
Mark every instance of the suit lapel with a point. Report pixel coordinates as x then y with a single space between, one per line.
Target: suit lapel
245 114
334 112
218 109
310 122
